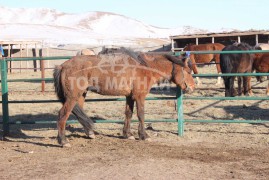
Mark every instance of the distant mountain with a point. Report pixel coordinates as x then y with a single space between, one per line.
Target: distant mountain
51 25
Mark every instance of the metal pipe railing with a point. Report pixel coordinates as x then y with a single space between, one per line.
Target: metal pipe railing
179 95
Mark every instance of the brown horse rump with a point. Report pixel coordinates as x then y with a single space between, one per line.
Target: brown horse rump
205 58
261 65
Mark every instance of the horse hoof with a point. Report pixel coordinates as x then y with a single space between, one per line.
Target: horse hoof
92 136
131 138
66 145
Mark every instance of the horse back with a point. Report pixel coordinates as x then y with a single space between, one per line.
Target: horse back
205 58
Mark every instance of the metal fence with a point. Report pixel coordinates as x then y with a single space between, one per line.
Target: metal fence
179 95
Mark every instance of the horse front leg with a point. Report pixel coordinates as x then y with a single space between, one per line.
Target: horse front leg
64 113
247 86
217 60
128 116
140 105
195 70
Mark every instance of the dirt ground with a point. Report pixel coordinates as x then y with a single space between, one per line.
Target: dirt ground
207 151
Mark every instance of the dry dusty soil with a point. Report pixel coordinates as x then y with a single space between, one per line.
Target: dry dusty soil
206 151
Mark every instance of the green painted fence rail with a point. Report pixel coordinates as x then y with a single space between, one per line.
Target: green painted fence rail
148 99
179 95
51 58
223 52
194 75
224 121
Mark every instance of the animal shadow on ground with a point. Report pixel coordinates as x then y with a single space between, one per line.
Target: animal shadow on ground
31 122
236 112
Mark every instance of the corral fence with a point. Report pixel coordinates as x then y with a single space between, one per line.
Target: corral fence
179 97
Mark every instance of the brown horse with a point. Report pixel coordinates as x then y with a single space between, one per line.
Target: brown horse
123 74
261 65
205 58
237 63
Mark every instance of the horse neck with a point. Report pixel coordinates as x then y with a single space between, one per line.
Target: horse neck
162 67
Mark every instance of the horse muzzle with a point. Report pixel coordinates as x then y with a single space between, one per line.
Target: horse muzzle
188 89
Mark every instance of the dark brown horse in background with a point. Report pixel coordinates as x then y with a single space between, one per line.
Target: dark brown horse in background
261 65
205 58
124 74
237 63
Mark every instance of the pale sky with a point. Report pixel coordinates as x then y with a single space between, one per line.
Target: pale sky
205 14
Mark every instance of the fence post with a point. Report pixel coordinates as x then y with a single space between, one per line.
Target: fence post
180 119
4 97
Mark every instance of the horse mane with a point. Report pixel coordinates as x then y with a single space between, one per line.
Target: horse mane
174 59
127 51
243 45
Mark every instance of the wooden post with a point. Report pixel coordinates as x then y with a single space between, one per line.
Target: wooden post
213 40
34 61
27 53
42 68
197 41
42 64
1 52
20 56
172 44
8 55
257 39
48 54
239 39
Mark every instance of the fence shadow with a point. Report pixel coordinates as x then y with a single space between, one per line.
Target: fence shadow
253 112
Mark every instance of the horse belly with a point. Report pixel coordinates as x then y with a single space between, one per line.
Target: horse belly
203 58
111 85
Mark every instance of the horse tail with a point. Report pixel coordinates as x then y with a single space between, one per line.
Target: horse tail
82 117
225 63
57 84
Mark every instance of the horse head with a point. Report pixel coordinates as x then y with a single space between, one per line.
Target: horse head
181 73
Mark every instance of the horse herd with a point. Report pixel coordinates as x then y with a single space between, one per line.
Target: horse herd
132 74
232 63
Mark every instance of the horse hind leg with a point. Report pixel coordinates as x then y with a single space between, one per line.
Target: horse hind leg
128 116
217 61
229 86
64 113
140 103
247 86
